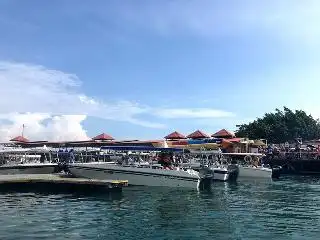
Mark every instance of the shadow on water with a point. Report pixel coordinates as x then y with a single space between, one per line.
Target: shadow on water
47 190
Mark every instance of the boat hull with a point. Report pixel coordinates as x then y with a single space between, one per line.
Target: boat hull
40 168
229 173
251 172
136 176
220 174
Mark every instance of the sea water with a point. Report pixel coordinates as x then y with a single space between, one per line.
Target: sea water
282 209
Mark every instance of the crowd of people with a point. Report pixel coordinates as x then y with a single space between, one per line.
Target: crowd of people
294 151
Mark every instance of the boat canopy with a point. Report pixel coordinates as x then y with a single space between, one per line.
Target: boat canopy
244 154
140 148
203 141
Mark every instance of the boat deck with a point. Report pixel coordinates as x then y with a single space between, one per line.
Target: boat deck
57 182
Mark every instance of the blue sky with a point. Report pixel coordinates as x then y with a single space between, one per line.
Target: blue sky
141 69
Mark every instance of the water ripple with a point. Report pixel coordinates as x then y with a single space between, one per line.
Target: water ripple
286 209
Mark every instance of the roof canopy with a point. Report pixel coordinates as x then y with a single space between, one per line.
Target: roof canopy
103 137
19 139
223 133
175 135
141 148
198 135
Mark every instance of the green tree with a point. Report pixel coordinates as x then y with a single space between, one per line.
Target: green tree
282 126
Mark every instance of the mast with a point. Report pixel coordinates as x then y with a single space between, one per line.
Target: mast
22 130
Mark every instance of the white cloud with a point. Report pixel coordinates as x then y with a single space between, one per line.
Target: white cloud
33 88
192 113
39 126
50 101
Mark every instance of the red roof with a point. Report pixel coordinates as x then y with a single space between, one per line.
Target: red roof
223 133
175 135
103 137
19 139
197 134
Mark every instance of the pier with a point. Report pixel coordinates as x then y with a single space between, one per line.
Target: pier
58 183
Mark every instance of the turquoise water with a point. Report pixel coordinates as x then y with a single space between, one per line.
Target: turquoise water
284 209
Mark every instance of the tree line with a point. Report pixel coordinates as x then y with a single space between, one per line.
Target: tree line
282 126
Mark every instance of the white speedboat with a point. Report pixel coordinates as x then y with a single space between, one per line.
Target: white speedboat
251 166
225 173
28 168
220 173
254 172
222 169
144 175
25 161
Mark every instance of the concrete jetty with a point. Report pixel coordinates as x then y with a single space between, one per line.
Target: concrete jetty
57 182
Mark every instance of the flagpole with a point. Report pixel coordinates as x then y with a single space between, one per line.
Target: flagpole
22 130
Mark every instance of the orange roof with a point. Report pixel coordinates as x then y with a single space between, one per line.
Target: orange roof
223 133
19 139
198 134
175 135
103 137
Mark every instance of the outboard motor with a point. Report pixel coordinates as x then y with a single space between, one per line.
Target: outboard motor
64 159
233 170
206 179
62 166
205 184
276 172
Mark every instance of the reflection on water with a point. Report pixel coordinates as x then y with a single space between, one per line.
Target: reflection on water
283 209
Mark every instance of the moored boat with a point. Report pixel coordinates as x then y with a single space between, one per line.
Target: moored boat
222 169
25 161
251 166
28 168
145 174
254 172
141 175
